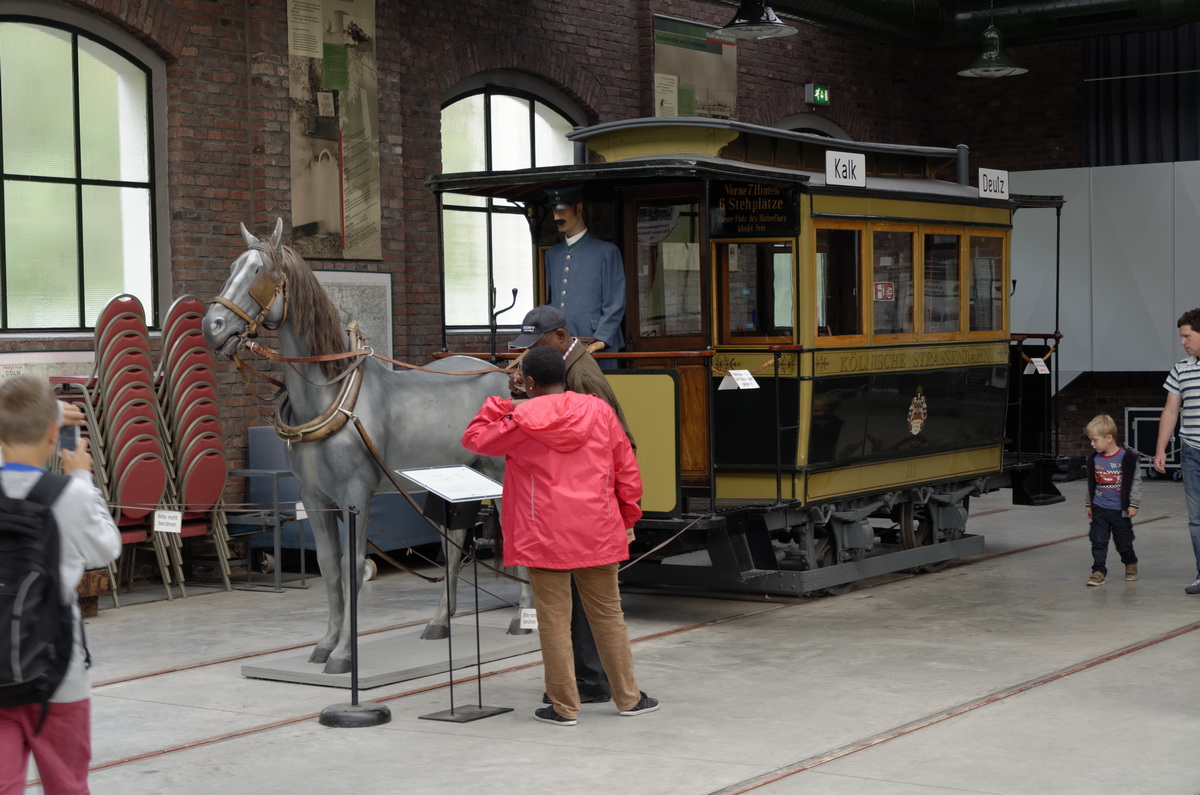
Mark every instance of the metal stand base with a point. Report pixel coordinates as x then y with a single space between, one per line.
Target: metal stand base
464 714
353 716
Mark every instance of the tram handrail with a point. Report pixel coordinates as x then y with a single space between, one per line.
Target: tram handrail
599 355
1021 337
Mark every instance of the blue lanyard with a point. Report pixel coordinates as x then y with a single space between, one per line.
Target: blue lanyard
22 468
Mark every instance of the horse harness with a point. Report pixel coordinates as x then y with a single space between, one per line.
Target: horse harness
270 282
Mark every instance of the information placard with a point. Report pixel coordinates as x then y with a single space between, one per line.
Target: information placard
455 483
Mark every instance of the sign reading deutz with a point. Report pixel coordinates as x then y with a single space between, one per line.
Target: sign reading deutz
749 209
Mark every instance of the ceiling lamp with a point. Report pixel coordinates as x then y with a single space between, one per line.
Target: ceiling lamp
993 61
755 20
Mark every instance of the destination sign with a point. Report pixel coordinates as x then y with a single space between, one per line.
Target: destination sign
750 209
846 168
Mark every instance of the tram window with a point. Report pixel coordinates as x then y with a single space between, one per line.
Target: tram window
943 298
893 282
838 300
668 269
987 283
757 285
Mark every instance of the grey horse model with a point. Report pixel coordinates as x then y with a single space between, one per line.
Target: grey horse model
415 418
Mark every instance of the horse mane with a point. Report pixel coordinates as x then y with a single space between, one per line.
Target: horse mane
312 313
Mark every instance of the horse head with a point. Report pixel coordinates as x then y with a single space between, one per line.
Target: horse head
255 294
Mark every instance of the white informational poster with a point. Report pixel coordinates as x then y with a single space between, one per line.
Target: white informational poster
455 483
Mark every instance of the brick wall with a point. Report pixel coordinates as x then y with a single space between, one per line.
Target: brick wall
1104 393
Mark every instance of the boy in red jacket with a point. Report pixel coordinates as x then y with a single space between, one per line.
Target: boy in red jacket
571 486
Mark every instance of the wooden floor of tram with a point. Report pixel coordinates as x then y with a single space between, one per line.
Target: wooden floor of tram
1001 674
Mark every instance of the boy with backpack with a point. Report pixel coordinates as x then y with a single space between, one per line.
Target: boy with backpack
45 686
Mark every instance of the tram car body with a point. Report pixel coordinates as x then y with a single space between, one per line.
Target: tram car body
872 317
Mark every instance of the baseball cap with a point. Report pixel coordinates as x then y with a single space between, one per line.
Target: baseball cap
538 321
562 198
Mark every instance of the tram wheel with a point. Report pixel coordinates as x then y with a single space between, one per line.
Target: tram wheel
826 552
916 530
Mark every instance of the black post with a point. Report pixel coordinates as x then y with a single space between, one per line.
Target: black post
354 715
476 711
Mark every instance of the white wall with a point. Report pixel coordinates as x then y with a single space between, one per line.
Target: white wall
1130 239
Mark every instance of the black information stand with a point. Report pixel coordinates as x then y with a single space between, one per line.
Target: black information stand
456 507
354 715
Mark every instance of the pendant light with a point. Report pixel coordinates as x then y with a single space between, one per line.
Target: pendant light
993 61
755 20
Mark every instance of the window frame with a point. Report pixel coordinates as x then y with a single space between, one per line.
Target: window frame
918 230
724 335
962 233
864 314
79 23
522 87
1005 242
918 282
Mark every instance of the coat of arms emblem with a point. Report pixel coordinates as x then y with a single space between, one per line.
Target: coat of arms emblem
918 412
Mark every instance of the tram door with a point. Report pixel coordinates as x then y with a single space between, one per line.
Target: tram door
666 260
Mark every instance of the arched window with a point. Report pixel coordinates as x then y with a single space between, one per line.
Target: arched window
494 128
78 199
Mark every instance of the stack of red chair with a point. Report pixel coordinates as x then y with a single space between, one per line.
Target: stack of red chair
187 392
139 462
124 429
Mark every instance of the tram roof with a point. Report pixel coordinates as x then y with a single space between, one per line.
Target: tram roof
661 150
529 186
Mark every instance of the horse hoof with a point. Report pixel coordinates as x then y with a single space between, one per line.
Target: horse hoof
319 655
435 632
337 667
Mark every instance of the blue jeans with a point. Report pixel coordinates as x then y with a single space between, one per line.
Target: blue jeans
1189 458
1106 523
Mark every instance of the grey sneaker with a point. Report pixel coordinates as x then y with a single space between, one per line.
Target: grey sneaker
1130 572
645 704
1194 587
1097 578
548 715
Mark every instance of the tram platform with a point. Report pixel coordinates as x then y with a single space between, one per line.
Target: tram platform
1003 673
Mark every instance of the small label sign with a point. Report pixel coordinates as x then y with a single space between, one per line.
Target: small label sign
885 291
846 168
528 618
168 521
738 379
993 184
301 514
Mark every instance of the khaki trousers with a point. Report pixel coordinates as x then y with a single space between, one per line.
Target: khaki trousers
601 601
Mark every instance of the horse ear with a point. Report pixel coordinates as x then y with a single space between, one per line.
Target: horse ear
250 239
277 235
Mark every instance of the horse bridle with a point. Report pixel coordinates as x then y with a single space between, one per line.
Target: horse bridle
270 281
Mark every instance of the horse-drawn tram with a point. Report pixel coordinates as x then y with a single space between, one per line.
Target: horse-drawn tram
817 361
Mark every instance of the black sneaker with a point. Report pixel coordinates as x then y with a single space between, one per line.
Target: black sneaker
1194 587
646 704
548 715
597 699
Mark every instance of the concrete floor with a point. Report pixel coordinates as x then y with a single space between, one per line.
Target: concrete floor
1003 674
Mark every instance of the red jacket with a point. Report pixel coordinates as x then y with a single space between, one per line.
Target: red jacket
571 483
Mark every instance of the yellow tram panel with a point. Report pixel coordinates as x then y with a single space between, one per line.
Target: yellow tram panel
890 475
867 206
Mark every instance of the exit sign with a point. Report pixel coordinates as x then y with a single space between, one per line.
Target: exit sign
815 94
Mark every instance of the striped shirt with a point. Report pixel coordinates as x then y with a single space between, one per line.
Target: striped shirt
1184 380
